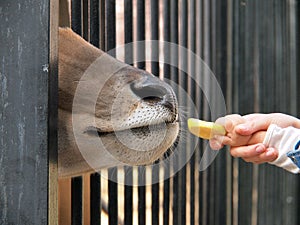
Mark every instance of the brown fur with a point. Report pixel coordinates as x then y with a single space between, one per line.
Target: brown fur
116 106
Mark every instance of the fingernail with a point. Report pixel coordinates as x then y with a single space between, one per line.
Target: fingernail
260 149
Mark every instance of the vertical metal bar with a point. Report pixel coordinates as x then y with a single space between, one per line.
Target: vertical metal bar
141 32
174 39
76 16
76 199
25 122
128 195
155 70
95 179
174 77
166 36
128 191
166 198
110 43
183 60
112 196
85 20
94 23
128 29
155 196
155 36
141 65
95 207
110 21
192 92
102 28
141 195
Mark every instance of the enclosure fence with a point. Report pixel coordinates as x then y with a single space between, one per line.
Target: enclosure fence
251 47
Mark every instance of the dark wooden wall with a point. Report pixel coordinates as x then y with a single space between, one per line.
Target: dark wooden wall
28 96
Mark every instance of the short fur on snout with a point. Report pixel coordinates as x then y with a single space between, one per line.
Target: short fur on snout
110 113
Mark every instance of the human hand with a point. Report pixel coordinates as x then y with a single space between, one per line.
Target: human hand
245 135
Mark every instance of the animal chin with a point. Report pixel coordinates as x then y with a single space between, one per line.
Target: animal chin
137 146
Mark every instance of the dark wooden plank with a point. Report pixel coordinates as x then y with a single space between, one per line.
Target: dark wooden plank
24 108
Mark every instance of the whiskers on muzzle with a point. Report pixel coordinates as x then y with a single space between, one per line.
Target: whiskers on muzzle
179 147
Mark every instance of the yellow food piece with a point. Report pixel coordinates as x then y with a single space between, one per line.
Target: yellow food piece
204 129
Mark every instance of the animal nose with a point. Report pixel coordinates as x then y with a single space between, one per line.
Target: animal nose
154 90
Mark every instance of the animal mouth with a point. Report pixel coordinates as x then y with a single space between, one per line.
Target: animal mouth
144 129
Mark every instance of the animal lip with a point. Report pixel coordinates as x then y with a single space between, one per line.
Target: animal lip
95 131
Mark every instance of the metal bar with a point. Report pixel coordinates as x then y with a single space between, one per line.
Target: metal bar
95 207
110 28
166 183
167 31
141 64
141 195
166 198
112 196
102 25
26 128
174 77
174 39
155 36
76 16
155 196
94 23
183 60
110 43
141 33
155 70
128 29
85 20
76 200
128 195
192 92
128 35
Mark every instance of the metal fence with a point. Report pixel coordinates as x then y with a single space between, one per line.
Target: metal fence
252 48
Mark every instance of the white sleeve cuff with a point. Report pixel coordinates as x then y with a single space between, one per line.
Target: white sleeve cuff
284 140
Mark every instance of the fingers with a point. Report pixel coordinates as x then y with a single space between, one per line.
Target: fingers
218 142
252 124
255 153
230 121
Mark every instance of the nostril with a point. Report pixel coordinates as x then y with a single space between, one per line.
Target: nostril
153 91
152 99
149 92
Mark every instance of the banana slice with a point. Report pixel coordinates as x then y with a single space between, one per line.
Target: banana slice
204 129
